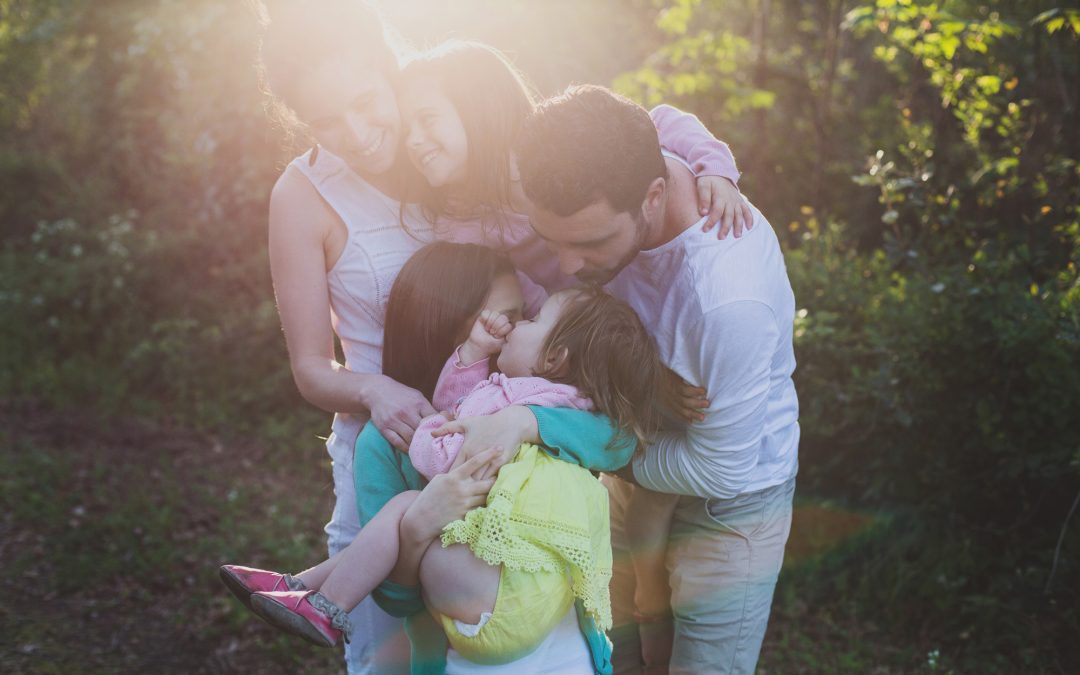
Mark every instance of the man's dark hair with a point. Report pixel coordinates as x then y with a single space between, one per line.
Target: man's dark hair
588 144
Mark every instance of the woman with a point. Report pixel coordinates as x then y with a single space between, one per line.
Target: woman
335 248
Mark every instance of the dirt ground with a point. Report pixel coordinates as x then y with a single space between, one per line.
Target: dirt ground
112 531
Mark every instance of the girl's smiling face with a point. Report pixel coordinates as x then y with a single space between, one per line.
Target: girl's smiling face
435 137
520 356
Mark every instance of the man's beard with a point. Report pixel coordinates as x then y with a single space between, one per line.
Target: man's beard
602 277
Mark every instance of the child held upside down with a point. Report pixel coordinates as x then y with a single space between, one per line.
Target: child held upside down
543 537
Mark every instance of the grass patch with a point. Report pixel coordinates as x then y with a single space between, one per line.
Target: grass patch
112 538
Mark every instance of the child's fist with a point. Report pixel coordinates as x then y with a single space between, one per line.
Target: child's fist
488 334
495 323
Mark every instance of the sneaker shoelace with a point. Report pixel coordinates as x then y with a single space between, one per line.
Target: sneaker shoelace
339 619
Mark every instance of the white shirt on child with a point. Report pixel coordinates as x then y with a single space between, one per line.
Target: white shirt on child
722 314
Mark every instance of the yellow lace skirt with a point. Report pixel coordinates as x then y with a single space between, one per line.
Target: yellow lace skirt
546 522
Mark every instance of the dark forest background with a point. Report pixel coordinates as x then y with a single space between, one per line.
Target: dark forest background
918 160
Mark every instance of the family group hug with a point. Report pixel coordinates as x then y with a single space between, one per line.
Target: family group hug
565 435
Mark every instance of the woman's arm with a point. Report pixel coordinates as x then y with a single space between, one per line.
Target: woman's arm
300 222
584 438
580 437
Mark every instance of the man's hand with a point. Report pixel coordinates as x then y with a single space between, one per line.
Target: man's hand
505 431
720 200
396 411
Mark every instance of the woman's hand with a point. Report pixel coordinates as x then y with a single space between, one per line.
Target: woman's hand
396 410
487 337
504 431
720 200
449 496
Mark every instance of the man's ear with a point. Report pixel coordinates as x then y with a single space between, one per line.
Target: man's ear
654 197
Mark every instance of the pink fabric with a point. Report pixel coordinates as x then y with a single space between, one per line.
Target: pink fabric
457 379
683 134
485 396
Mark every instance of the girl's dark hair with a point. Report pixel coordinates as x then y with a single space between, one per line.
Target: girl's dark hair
611 359
298 36
439 289
492 99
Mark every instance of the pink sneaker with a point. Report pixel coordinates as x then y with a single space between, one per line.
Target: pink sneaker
243 581
305 613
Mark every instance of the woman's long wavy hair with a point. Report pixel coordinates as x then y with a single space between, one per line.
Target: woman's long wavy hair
611 359
492 99
437 294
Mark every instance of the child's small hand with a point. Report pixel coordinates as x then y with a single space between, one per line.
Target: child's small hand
692 402
721 201
488 335
686 401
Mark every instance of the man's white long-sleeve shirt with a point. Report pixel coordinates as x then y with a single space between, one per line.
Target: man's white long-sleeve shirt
722 314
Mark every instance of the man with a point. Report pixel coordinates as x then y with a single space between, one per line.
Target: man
618 212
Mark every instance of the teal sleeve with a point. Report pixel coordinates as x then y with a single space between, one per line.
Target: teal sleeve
380 473
599 645
428 645
582 437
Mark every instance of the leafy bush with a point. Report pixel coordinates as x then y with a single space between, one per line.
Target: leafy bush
934 236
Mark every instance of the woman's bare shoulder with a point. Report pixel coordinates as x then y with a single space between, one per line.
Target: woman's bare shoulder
295 203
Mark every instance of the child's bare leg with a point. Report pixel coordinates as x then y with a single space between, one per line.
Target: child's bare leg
458 584
354 572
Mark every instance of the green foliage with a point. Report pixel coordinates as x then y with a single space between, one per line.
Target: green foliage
146 166
932 226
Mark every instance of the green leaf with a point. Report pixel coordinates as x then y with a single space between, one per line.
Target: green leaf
760 98
990 84
949 45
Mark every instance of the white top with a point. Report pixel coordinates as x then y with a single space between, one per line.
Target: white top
722 313
563 651
375 250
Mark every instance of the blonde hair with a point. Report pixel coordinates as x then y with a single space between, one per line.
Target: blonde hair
611 359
